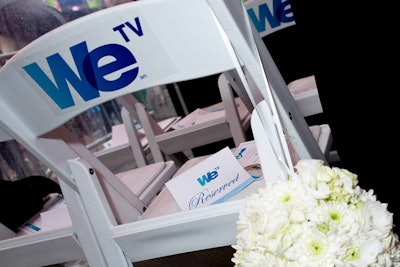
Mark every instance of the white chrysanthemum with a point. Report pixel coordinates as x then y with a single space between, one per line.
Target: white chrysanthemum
312 248
381 219
319 217
348 179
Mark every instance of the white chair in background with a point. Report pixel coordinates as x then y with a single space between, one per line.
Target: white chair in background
172 137
128 48
119 151
305 93
227 119
129 146
304 90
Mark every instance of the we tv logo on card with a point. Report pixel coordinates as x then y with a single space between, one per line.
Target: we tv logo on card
208 177
212 181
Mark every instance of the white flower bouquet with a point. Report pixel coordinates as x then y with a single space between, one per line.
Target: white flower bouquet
319 217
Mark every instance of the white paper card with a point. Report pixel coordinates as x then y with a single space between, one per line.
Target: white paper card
247 155
212 181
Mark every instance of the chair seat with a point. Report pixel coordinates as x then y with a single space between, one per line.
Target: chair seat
211 114
201 127
147 181
33 249
119 137
117 153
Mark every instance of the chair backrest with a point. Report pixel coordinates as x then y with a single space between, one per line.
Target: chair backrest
103 56
72 68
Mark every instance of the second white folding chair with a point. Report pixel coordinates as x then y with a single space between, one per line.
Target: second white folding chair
227 119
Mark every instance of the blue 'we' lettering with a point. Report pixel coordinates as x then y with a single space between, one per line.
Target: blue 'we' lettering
93 73
281 13
208 177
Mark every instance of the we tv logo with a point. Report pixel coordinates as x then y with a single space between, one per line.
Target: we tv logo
208 177
269 16
95 69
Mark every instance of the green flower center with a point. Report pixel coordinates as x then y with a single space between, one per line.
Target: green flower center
352 254
323 228
334 216
316 248
287 198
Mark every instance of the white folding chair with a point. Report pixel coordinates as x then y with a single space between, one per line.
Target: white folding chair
129 147
306 97
227 119
304 90
128 48
130 116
